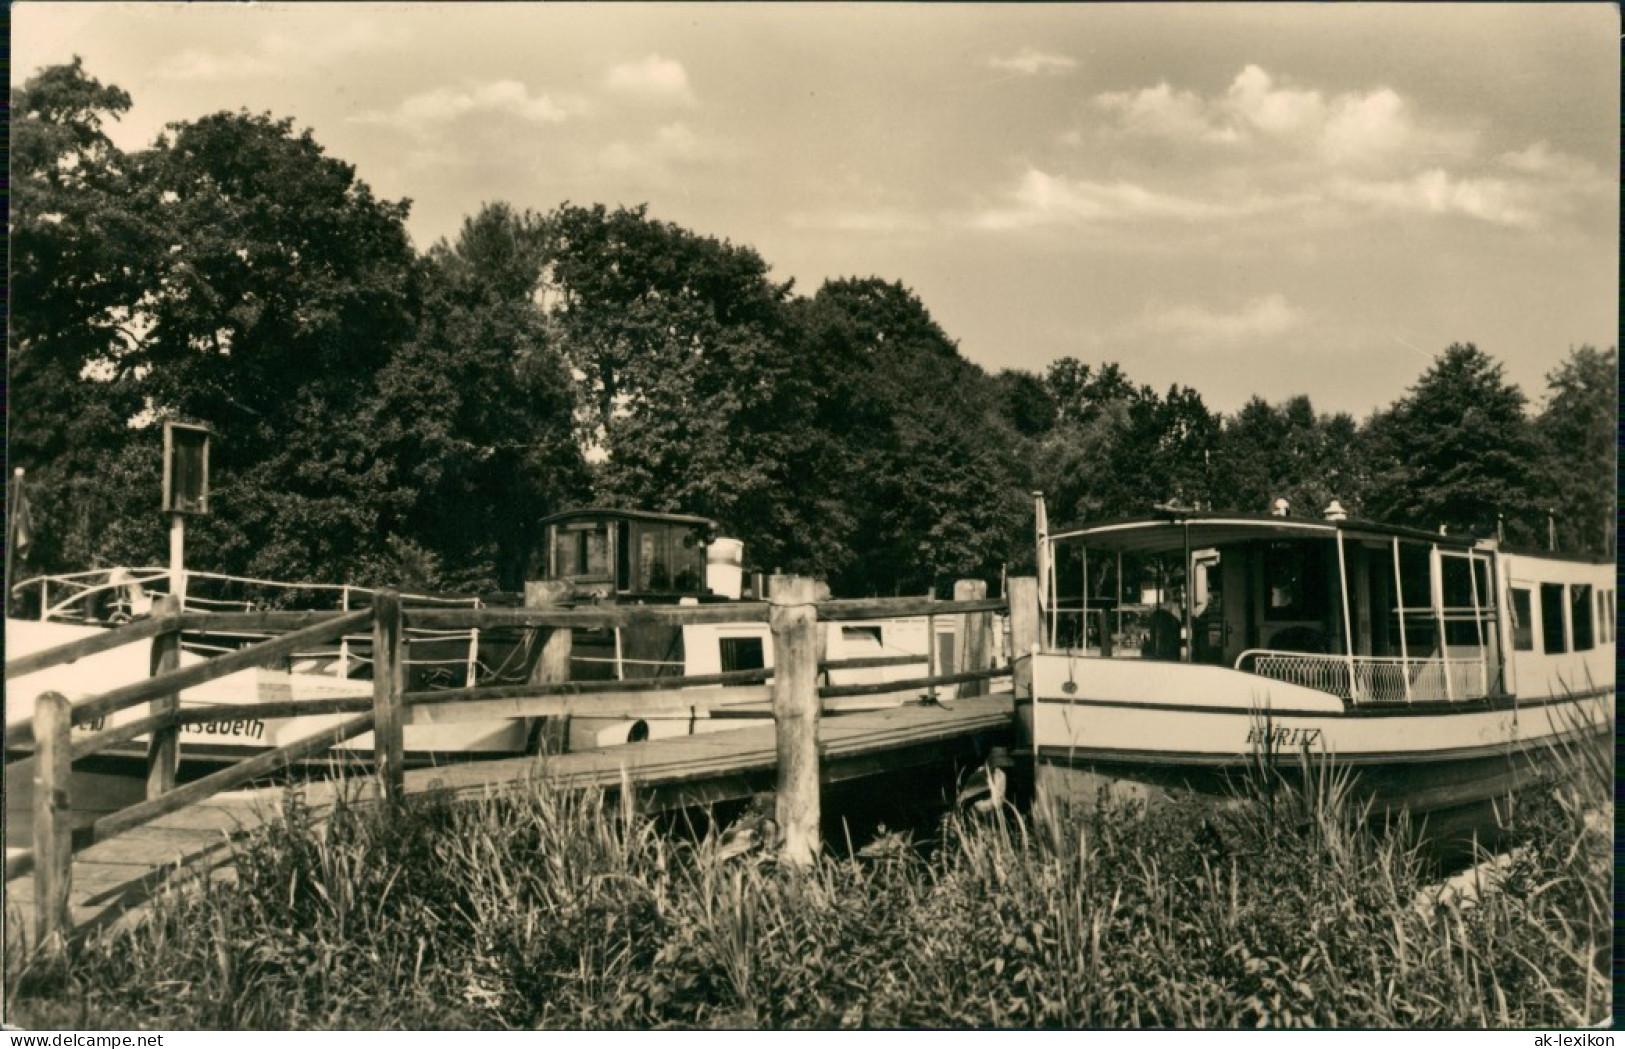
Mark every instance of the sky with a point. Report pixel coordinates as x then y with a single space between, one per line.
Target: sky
1246 199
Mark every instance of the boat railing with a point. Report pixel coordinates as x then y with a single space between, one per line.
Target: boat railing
1371 679
111 596
134 589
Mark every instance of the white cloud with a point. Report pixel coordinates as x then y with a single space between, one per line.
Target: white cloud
652 77
1194 326
1350 129
1042 199
1554 168
1030 61
1366 128
278 54
672 144
1263 144
1436 192
875 220
1537 159
503 98
1163 112
1254 99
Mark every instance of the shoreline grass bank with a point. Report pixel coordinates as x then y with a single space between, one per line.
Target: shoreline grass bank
539 909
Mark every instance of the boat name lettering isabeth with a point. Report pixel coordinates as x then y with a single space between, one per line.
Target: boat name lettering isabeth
253 728
1281 736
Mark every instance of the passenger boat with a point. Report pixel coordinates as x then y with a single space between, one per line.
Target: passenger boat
1188 648
593 558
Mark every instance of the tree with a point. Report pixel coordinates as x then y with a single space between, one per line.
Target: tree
280 288
1078 391
914 450
231 274
77 254
1025 402
689 382
1457 452
474 415
1164 452
1577 430
1287 452
635 297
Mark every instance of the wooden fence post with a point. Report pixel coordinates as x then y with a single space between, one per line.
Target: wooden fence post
388 682
552 666
793 619
163 748
1023 634
53 833
975 636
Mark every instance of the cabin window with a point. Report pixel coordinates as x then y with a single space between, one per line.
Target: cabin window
1465 589
652 560
861 636
1415 577
1294 582
670 558
1457 581
1554 636
582 552
1523 623
741 653
1580 615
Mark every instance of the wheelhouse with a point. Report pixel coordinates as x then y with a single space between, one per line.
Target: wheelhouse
636 554
1367 612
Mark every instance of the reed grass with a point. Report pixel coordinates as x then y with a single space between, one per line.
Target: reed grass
537 908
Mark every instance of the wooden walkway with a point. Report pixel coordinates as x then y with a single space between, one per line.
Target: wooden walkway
113 879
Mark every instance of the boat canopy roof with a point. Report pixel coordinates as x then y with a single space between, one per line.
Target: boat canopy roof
1169 531
614 514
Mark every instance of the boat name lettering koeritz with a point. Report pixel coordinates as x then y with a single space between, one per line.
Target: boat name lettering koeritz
1283 737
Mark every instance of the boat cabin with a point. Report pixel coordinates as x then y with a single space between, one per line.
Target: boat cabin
1368 612
629 554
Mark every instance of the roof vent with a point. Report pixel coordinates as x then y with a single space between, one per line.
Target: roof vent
1334 511
1282 508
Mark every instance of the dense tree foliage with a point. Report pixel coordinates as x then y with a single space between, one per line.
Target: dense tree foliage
1286 451
689 388
1458 452
75 268
1577 431
382 415
917 452
474 414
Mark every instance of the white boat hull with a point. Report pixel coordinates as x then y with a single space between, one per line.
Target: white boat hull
1116 723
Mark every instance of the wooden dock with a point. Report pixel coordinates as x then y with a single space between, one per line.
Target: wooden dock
111 880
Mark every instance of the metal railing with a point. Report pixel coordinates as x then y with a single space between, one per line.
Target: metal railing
1372 679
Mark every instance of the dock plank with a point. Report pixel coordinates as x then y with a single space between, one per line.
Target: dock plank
113 879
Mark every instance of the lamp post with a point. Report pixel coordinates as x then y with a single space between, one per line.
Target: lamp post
186 492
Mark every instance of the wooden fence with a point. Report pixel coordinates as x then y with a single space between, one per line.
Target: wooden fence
793 614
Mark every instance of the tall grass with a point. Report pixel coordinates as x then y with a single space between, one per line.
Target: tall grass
542 909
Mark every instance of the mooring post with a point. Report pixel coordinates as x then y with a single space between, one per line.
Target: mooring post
1023 634
975 636
552 667
163 749
53 833
388 683
793 619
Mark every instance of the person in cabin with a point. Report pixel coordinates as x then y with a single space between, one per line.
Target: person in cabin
1164 640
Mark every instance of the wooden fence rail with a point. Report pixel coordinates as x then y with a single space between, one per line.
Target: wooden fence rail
793 614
